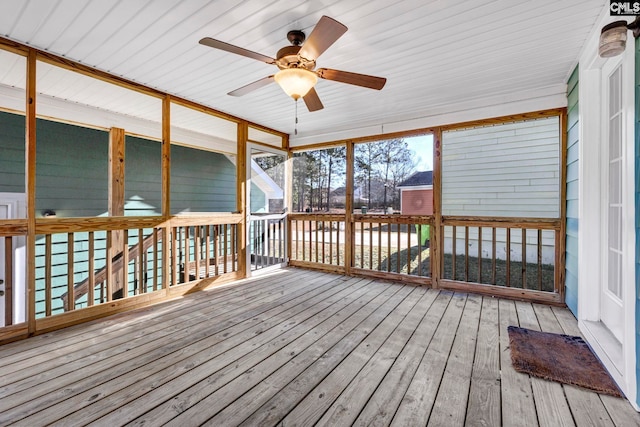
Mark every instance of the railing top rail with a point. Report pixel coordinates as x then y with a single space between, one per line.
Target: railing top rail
394 219
317 216
504 222
86 224
13 227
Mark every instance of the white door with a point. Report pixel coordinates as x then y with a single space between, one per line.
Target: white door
12 206
614 183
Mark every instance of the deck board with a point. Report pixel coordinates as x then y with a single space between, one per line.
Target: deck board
298 347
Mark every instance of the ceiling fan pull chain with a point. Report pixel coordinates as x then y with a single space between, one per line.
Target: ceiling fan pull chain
296 125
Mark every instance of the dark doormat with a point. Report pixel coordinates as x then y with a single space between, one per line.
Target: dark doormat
561 358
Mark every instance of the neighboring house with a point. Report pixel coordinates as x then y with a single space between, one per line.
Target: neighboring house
416 194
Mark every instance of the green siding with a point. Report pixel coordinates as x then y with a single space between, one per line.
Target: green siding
12 167
201 181
71 169
573 140
143 177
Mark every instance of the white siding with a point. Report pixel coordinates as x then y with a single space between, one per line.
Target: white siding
503 170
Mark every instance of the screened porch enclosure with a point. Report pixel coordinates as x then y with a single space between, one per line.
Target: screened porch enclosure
116 212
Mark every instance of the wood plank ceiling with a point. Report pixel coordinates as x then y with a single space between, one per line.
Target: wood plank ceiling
439 56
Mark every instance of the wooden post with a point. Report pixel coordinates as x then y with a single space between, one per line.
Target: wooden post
288 201
561 239
166 189
241 196
116 193
348 204
436 249
30 177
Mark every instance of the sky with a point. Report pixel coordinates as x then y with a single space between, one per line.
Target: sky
422 146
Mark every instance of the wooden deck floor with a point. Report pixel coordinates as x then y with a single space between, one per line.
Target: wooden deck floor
298 348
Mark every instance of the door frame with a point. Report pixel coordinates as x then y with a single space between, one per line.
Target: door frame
618 357
276 151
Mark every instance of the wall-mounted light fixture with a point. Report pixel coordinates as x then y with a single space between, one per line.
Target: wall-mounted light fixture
49 213
613 38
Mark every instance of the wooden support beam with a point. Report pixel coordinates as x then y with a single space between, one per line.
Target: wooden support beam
30 185
116 192
436 247
348 204
241 196
166 189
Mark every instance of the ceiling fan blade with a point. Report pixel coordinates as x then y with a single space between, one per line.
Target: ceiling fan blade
371 82
217 44
251 86
325 33
312 101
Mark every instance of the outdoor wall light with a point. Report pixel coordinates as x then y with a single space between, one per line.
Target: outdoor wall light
613 37
49 213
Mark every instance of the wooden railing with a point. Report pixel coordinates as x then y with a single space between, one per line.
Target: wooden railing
388 246
317 240
267 245
513 257
105 265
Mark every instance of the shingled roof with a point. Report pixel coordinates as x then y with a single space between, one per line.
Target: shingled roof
418 178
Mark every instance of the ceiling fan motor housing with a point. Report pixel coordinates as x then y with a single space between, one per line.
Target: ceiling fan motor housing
288 57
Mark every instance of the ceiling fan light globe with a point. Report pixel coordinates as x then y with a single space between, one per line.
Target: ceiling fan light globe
613 39
296 82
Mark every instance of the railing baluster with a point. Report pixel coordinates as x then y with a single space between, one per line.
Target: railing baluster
493 256
539 259
370 245
398 249
207 250
225 254
508 256
304 244
142 255
317 251
175 243
71 305
91 270
361 244
47 275
196 250
216 249
466 254
453 253
524 258
388 247
479 254
379 246
125 264
419 237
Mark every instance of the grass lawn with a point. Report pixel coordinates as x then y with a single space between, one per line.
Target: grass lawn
407 261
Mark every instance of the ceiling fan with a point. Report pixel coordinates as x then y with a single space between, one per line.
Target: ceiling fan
297 75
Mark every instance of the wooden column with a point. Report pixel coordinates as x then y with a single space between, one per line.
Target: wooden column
561 240
437 237
348 205
241 195
116 195
166 190
30 185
